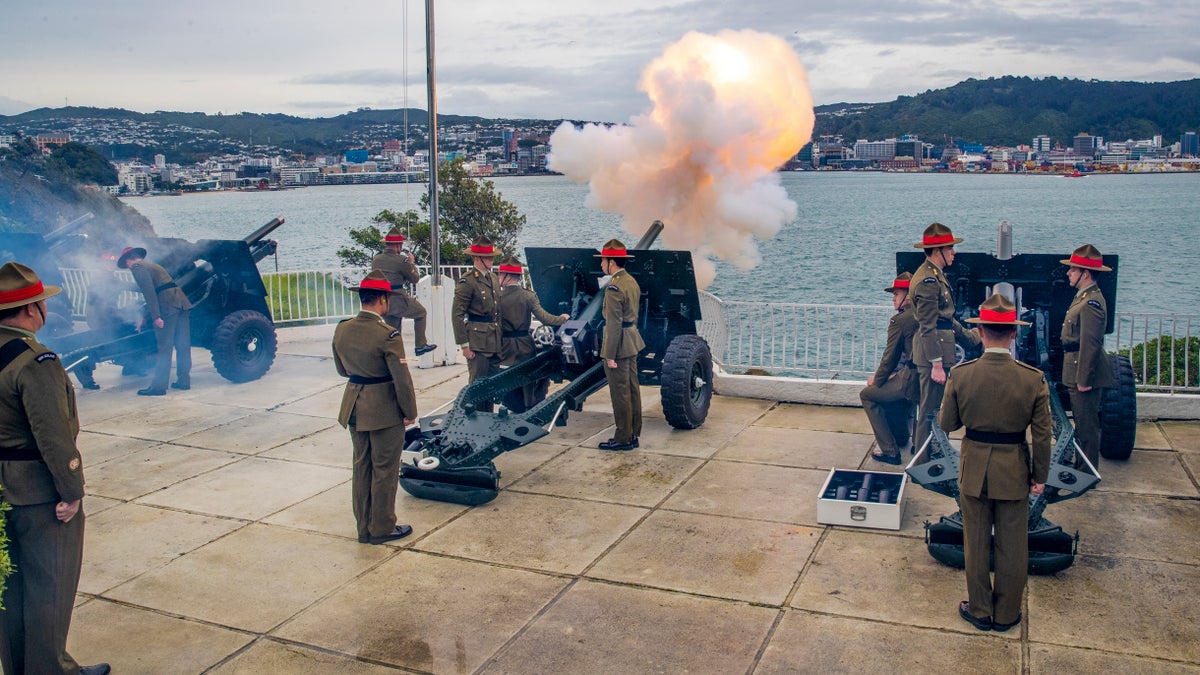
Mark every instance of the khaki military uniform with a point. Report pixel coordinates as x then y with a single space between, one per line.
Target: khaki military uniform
895 379
1086 363
621 343
167 301
40 466
400 272
518 306
476 319
937 330
377 400
997 398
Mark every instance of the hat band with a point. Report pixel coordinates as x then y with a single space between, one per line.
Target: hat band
375 285
997 317
1086 262
900 283
510 269
21 293
938 239
612 253
393 239
482 250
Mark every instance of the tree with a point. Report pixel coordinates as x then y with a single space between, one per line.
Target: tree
81 164
468 207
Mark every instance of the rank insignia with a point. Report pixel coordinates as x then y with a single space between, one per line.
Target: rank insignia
48 356
394 334
1094 303
929 280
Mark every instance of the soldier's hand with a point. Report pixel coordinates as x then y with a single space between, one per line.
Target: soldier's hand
408 421
611 364
1082 388
65 511
158 323
411 259
564 317
938 373
468 353
1036 488
871 381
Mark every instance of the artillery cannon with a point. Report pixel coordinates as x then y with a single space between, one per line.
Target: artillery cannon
448 457
1038 286
220 277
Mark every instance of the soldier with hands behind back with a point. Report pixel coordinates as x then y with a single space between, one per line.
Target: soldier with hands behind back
518 305
620 346
1086 369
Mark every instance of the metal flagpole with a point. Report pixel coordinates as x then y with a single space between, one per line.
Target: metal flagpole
431 87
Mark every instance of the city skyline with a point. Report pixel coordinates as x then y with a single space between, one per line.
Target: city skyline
535 58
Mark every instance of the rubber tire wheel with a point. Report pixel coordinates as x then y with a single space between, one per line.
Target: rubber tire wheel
1118 411
685 402
243 346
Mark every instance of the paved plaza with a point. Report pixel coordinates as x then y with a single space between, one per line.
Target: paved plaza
220 540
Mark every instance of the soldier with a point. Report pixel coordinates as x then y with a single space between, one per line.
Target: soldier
933 306
400 268
896 377
476 313
996 398
41 475
378 403
620 346
168 308
1086 370
517 306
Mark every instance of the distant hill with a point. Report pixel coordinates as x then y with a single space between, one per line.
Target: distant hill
1012 110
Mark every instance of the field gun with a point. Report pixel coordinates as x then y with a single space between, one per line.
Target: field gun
1037 284
448 457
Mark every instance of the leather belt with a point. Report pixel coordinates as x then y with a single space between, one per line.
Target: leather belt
480 318
1071 348
945 324
515 334
996 437
169 284
628 324
359 379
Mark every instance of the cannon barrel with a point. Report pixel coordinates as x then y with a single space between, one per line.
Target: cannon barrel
68 229
257 235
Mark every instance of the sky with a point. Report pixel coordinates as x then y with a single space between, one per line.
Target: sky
550 59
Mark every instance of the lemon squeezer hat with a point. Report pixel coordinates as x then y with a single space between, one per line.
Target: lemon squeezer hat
901 283
130 252
937 235
394 236
510 265
613 249
1086 257
998 311
20 285
482 247
375 281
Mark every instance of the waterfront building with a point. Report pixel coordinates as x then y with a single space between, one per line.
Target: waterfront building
875 150
1042 143
356 156
1189 144
160 161
1085 145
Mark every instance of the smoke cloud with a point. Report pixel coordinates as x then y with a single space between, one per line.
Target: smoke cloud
727 111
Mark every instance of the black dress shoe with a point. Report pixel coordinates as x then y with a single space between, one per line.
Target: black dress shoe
635 442
424 350
98 669
400 532
964 610
180 387
151 391
1001 627
887 459
612 444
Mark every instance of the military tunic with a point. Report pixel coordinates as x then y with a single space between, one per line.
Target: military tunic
166 301
518 306
621 343
895 379
40 466
1086 363
997 398
400 272
375 403
476 320
937 328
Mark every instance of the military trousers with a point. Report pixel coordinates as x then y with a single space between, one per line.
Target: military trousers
407 307
483 365
1085 409
1001 599
48 555
876 398
376 476
175 334
930 403
626 396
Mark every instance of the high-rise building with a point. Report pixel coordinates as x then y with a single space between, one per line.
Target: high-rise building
1042 143
1085 145
1189 144
160 161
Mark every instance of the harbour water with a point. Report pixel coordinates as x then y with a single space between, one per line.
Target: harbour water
839 250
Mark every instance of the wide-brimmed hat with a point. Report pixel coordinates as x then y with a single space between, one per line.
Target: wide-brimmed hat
900 284
510 265
613 249
20 286
375 281
936 236
482 247
130 252
1086 257
998 311
394 236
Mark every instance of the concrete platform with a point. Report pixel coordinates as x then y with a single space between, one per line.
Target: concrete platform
220 539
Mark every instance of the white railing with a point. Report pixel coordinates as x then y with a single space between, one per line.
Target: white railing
1163 348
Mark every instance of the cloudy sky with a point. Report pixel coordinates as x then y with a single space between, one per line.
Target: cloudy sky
550 58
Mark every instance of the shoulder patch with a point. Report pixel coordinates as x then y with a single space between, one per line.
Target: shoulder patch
892 322
1094 303
48 356
393 334
462 280
929 280
613 287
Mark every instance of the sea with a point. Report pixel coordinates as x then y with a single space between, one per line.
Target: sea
840 249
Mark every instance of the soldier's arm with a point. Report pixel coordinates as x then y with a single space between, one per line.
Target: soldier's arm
406 396
410 272
613 307
1092 320
337 363
458 314
891 353
925 306
948 418
964 335
541 314
1040 428
44 394
142 276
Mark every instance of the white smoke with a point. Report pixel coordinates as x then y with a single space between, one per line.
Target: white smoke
727 111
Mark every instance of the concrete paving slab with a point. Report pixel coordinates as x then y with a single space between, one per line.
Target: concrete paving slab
145 471
95 504
270 656
1055 659
1150 437
167 420
134 640
128 540
921 505
817 418
1183 436
806 641
659 437
330 513
730 410
637 478
327 447
99 448
1147 472
797 447
711 555
583 426
289 379
324 403
96 406
1131 525
600 628
515 465
427 613
256 432
883 578
252 579
1136 607
758 491
239 490
534 531
1191 462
